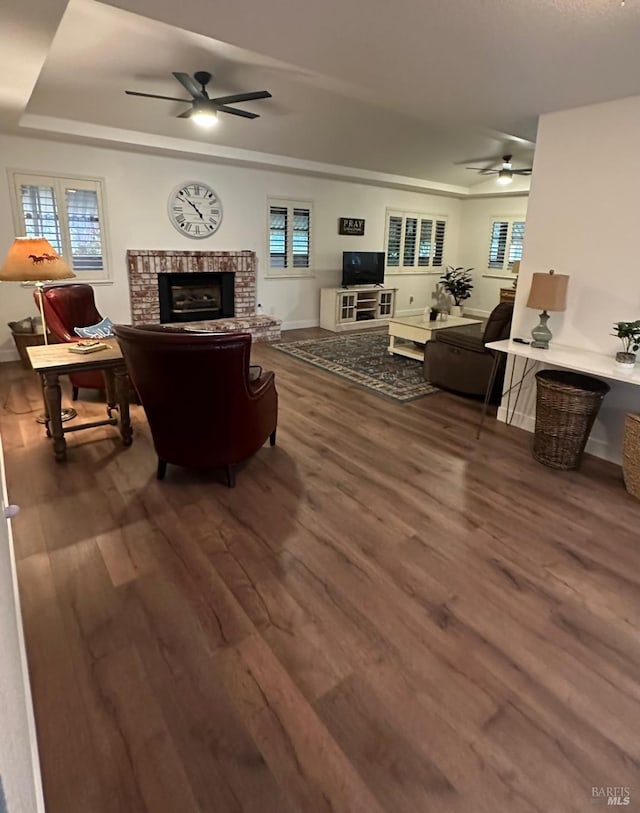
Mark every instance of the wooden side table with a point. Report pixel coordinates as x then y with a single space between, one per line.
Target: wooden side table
53 360
507 295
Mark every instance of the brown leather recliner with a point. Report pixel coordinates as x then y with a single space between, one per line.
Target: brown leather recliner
457 359
203 409
65 308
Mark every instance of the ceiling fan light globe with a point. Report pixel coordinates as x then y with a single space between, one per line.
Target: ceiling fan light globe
205 118
504 177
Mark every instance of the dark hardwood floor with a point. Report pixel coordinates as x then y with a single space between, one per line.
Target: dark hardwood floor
383 615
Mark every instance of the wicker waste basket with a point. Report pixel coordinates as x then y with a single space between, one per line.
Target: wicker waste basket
631 455
566 407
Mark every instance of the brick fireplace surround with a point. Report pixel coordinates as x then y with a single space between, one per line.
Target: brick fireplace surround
144 267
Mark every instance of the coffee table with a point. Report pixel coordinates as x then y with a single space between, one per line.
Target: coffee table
53 360
418 329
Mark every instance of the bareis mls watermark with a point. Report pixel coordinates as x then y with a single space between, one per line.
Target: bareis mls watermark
611 795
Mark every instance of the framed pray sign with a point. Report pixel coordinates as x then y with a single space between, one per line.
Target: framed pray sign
351 225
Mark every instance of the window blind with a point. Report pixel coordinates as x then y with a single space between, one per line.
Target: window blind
517 241
498 245
84 229
278 237
301 239
40 212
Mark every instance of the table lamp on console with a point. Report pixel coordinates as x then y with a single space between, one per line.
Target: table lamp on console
548 293
33 259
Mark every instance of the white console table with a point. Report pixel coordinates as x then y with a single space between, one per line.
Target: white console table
569 358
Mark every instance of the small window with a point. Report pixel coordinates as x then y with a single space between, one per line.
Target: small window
289 237
68 212
414 241
505 247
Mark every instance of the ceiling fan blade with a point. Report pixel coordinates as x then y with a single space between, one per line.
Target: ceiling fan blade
483 171
155 96
186 115
242 97
237 112
189 85
522 171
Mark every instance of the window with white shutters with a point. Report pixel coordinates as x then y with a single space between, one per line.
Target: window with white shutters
289 237
415 241
505 245
68 212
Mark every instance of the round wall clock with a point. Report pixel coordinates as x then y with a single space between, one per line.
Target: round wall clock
195 210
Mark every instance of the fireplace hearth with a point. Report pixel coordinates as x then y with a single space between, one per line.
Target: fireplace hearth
195 296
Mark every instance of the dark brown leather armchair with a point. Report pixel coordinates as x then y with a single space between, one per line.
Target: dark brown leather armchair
204 411
457 359
65 308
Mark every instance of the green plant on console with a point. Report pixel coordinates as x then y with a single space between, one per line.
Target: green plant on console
457 282
629 335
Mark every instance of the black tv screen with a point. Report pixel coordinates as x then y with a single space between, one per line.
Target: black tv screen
363 267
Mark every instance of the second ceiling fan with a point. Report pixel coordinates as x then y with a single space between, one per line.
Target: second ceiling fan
505 172
204 110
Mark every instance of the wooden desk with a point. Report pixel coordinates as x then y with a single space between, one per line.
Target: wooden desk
53 360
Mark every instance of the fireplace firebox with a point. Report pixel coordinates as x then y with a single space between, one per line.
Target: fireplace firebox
196 296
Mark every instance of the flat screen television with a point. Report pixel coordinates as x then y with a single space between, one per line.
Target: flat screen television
363 267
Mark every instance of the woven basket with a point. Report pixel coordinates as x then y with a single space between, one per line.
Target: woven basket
566 407
631 455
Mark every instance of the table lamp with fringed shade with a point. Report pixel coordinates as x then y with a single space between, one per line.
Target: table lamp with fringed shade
33 259
548 293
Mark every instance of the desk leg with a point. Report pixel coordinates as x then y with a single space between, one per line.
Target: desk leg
45 414
110 391
122 394
53 408
492 377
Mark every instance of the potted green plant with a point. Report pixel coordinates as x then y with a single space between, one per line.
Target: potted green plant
457 282
629 335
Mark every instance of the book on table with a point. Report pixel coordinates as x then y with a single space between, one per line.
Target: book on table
88 346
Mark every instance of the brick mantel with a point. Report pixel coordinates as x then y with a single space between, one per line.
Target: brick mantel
144 267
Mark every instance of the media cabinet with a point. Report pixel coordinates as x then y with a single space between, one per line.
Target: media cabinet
352 308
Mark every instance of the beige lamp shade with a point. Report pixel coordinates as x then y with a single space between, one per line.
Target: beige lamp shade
33 259
548 292
515 267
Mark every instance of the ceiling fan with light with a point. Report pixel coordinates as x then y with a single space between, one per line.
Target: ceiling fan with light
204 110
505 172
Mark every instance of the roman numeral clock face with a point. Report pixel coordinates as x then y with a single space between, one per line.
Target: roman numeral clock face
195 210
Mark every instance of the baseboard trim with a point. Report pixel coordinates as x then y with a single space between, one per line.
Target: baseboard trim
9 355
302 323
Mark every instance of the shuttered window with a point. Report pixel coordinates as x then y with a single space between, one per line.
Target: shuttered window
505 246
289 237
415 241
68 213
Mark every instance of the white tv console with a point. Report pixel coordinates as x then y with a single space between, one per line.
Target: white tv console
356 307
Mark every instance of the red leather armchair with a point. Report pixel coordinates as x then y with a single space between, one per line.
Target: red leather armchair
203 409
65 308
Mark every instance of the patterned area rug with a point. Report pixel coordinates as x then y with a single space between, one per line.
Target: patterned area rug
363 359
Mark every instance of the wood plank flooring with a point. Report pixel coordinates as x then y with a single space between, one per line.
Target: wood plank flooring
384 615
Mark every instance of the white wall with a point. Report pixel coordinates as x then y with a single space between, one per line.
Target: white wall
137 188
19 764
478 215
582 220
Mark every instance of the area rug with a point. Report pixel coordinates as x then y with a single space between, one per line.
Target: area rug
363 359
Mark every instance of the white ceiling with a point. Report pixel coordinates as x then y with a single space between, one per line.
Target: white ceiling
414 89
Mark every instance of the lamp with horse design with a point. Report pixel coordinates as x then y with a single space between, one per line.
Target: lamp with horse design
33 259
